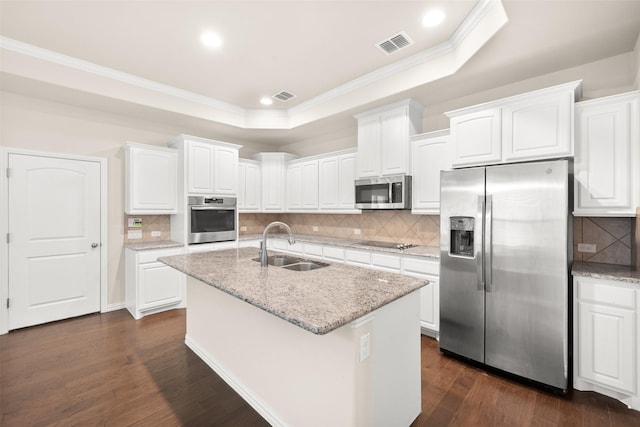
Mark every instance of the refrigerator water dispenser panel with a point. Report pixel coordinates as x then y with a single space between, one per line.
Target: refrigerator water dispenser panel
461 236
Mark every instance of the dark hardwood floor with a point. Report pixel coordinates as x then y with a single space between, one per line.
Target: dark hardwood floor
112 370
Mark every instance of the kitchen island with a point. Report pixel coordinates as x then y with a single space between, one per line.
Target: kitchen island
338 345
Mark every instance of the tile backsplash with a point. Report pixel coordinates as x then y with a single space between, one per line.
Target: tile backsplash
612 237
150 223
388 226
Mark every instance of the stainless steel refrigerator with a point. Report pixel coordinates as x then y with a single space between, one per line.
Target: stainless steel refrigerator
504 268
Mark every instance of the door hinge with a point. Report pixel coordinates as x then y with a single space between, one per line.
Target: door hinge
8 172
8 237
7 302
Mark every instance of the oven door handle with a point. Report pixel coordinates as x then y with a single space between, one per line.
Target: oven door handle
211 208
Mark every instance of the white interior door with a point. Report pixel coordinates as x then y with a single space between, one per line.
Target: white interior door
54 243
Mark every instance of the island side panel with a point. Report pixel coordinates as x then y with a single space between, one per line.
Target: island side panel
396 349
291 377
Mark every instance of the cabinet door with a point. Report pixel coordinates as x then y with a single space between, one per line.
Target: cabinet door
273 170
329 183
369 147
477 138
158 285
430 305
347 181
151 181
294 186
200 168
538 128
310 185
394 140
225 171
606 345
430 156
242 185
252 187
605 164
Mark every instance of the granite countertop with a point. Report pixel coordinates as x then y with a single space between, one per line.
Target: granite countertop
318 300
158 244
420 250
620 273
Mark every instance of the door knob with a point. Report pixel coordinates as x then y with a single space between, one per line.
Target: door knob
94 245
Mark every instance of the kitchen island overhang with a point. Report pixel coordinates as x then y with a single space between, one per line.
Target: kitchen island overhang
334 346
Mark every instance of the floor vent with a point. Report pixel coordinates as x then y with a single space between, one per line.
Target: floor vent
284 96
395 43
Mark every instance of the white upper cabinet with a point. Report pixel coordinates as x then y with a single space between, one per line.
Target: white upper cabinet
211 167
273 180
249 190
225 170
478 137
606 163
302 185
150 179
533 126
383 138
431 153
337 174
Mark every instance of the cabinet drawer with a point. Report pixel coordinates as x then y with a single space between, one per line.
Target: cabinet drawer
333 253
420 266
357 257
153 255
313 250
386 262
603 293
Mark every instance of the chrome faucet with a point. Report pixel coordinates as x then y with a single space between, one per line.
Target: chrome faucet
263 243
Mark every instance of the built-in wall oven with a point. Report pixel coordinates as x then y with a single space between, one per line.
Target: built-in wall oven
211 219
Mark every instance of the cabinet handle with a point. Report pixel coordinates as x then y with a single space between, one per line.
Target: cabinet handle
94 245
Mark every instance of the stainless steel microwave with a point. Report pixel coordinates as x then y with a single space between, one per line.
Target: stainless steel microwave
387 192
211 219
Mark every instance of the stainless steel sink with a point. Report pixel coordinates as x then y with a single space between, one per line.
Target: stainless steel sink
293 263
305 266
280 260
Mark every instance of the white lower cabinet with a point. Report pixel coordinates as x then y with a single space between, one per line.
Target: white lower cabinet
429 295
152 286
606 339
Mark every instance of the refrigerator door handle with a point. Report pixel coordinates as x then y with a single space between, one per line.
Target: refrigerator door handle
478 243
488 244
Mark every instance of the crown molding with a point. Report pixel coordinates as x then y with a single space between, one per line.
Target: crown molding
365 89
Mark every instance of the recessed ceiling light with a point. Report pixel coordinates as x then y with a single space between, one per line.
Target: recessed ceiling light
211 40
433 18
265 100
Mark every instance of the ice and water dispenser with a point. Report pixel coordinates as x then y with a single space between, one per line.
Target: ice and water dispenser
461 236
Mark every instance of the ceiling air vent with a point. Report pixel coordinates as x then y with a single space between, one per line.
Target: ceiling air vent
395 43
284 96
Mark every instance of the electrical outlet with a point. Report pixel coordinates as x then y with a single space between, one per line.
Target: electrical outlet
315 228
243 228
365 346
134 234
156 234
356 231
587 247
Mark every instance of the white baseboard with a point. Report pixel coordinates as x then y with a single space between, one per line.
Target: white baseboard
114 307
244 392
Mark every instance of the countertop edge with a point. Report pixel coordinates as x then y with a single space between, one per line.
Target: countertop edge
618 273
